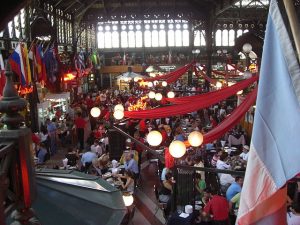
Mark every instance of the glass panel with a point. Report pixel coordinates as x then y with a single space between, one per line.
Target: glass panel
100 39
22 15
197 38
115 39
178 37
1 33
17 26
171 39
124 39
218 38
10 29
162 38
185 38
138 39
225 38
202 38
131 39
231 37
154 38
239 33
246 31
147 38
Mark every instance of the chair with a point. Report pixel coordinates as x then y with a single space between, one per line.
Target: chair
159 204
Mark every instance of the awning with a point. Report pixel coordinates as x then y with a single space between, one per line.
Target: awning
58 96
73 198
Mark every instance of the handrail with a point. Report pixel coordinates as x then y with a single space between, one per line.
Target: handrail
152 151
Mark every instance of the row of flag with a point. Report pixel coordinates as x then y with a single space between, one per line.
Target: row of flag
43 66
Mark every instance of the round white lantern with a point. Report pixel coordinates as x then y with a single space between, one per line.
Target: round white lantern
119 107
218 84
151 94
95 112
118 114
154 138
247 47
177 149
155 82
171 94
150 84
158 96
164 83
195 138
136 79
239 92
128 200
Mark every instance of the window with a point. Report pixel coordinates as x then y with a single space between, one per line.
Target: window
171 38
225 37
231 37
100 39
218 38
115 39
147 38
239 33
124 39
202 38
131 39
162 38
154 38
138 39
197 38
185 37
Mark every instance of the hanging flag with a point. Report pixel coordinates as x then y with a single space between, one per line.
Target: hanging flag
40 65
51 64
26 62
2 75
17 65
274 153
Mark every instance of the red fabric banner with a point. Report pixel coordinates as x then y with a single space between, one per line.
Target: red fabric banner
214 96
231 120
207 78
193 104
177 73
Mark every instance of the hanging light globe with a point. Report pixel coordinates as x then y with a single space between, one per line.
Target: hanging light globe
155 82
118 114
164 84
128 200
151 94
218 84
171 94
247 47
150 84
239 92
95 112
154 138
177 149
158 96
195 138
119 107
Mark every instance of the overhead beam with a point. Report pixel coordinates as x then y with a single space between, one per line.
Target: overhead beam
226 4
70 6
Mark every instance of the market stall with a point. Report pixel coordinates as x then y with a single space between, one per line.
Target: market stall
59 104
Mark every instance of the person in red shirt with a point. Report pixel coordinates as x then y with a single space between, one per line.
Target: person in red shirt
218 208
80 125
142 127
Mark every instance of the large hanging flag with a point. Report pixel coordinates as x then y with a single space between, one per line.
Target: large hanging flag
274 152
17 65
2 75
40 65
26 62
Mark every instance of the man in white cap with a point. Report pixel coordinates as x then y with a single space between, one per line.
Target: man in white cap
245 153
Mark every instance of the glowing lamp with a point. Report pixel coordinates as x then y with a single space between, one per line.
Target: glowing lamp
154 138
69 77
128 200
247 48
171 94
118 114
95 112
136 79
151 94
150 84
218 84
177 149
239 92
195 138
164 83
158 96
126 79
119 107
155 82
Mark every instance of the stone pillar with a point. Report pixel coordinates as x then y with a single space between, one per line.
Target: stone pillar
18 175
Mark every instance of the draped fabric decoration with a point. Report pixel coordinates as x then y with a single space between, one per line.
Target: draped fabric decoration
203 74
176 76
214 96
193 103
169 160
232 120
177 73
